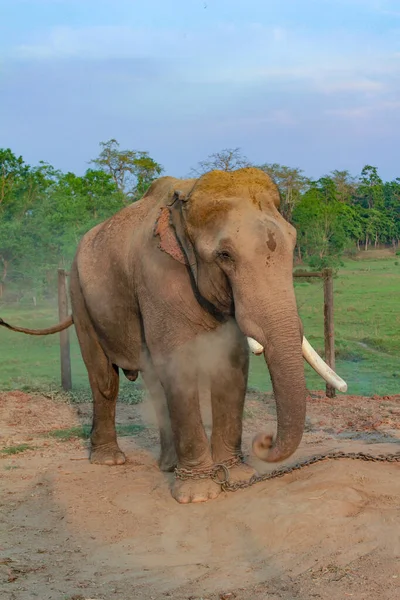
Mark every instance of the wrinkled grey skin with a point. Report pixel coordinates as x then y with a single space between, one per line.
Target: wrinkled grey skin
174 298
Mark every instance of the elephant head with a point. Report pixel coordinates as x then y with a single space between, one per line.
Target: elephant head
226 227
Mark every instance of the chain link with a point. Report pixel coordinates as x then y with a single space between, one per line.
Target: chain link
240 485
232 486
211 472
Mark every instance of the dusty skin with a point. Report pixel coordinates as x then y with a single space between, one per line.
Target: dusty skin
70 530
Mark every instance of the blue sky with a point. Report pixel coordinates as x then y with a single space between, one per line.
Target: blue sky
313 84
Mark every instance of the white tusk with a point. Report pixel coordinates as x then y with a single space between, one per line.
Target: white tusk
316 362
254 346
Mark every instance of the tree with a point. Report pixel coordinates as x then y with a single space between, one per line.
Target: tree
291 183
370 188
132 170
75 204
391 191
43 215
228 159
345 185
12 171
21 188
44 212
377 226
324 225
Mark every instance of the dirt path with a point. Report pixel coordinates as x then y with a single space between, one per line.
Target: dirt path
71 530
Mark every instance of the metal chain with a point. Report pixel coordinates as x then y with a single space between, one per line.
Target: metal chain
240 485
232 486
211 472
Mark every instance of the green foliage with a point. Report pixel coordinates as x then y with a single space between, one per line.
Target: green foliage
131 170
11 450
291 183
324 225
337 214
44 212
370 189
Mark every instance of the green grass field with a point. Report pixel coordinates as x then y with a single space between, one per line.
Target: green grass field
367 331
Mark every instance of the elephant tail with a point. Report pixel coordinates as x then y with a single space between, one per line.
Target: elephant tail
55 329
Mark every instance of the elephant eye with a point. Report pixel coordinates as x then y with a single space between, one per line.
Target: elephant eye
224 255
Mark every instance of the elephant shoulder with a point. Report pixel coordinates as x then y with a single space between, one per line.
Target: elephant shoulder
162 190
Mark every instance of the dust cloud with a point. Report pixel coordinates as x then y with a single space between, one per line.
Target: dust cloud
204 359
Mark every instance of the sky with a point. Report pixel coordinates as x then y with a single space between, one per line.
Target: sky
313 84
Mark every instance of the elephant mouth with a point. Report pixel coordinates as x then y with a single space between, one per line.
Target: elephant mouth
313 359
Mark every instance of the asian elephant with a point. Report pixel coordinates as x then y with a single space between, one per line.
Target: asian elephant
173 286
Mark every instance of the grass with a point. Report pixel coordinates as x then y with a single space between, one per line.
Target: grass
83 432
367 327
128 394
31 363
367 331
11 450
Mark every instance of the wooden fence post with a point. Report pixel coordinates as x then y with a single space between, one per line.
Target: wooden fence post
329 330
65 356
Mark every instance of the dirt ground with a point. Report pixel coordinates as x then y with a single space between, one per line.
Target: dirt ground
73 531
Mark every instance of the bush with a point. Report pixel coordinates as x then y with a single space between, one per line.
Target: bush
318 263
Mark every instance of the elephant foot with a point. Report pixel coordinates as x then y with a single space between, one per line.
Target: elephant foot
107 454
195 490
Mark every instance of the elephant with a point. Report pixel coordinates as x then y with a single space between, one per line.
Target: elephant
180 286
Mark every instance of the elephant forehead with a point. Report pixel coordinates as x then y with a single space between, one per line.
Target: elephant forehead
239 213
249 181
219 192
230 181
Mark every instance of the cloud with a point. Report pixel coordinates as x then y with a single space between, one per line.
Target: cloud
279 34
380 6
250 52
101 42
365 112
287 89
330 86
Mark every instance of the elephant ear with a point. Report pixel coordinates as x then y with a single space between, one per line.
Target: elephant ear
170 228
211 282
211 285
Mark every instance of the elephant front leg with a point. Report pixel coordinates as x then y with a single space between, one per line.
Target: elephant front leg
168 459
193 483
228 391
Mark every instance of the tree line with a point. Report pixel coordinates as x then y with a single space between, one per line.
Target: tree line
44 212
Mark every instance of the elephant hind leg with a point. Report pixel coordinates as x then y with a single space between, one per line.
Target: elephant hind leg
104 382
104 445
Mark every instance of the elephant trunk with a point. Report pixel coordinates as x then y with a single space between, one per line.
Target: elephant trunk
284 358
277 329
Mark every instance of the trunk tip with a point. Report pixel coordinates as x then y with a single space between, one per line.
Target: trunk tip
268 450
262 444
